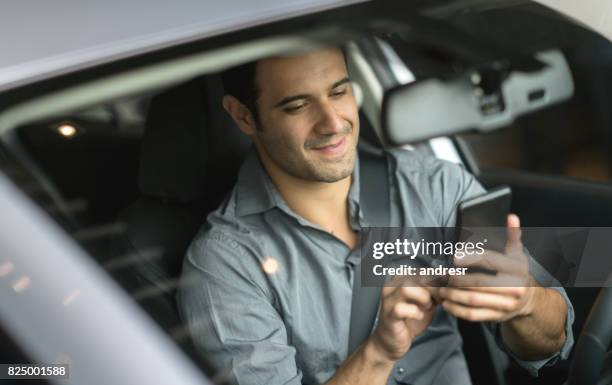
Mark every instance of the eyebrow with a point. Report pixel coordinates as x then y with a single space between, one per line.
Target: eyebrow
293 98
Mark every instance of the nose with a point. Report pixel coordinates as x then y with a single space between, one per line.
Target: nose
329 121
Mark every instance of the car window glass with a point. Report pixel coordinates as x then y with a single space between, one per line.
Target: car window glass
573 139
81 169
84 170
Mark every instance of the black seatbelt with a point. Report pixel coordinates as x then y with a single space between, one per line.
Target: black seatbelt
375 204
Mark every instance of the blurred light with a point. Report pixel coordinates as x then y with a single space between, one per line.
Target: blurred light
475 78
70 298
6 268
269 265
67 130
91 233
21 284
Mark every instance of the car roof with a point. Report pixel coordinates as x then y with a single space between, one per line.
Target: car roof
45 39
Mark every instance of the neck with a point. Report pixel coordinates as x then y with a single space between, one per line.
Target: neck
324 204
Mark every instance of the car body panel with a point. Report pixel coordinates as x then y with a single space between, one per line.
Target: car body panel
40 40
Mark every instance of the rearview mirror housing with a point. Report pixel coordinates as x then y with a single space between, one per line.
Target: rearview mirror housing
482 99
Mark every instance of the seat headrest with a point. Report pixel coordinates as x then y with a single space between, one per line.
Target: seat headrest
173 157
188 140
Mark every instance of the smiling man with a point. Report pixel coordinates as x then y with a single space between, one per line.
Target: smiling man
273 267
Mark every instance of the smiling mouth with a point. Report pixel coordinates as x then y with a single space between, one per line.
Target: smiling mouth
332 149
330 146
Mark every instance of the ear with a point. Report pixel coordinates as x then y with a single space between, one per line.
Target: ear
240 114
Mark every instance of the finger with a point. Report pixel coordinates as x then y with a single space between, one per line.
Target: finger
495 261
469 259
435 294
513 237
480 299
472 313
514 220
387 291
402 310
401 280
414 294
409 294
508 291
404 294
482 280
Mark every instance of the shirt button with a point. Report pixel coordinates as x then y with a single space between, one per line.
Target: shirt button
400 370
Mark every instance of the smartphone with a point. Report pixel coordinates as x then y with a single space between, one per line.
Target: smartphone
488 211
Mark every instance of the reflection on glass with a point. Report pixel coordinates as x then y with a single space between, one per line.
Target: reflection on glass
70 298
22 284
6 268
269 265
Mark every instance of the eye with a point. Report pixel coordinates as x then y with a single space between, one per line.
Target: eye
296 108
340 92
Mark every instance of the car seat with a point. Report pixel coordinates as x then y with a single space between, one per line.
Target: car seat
189 159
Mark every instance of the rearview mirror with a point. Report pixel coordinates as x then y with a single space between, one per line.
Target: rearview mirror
483 99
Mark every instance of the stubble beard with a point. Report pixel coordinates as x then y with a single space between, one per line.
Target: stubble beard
294 163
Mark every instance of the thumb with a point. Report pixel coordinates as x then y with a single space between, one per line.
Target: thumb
513 242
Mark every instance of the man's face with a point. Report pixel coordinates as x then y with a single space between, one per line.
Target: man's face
308 115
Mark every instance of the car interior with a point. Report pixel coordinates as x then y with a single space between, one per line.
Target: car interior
132 177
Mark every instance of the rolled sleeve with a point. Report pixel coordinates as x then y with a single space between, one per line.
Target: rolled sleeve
231 317
546 280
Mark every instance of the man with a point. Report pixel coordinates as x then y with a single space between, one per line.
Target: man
274 264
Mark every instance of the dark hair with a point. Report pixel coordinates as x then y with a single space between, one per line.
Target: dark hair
239 82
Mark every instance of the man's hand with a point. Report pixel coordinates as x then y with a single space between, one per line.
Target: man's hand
405 313
483 297
533 317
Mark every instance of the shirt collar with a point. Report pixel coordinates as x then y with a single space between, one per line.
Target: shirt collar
256 193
